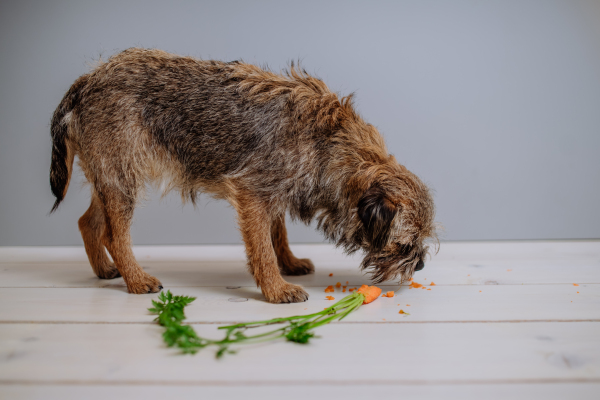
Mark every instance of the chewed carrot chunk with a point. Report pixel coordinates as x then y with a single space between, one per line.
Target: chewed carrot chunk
338 285
575 284
330 297
371 293
388 294
352 289
403 312
329 289
432 284
330 274
415 285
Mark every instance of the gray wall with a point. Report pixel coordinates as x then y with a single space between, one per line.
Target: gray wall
495 104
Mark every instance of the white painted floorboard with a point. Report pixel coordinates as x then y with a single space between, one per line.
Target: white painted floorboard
503 320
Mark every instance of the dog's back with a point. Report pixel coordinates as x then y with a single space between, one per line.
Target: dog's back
147 115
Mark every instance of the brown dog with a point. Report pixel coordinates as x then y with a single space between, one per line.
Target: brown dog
267 143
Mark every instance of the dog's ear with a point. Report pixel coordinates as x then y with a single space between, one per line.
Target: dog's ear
376 212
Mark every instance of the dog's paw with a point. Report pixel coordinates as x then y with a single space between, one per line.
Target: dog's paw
145 284
110 272
299 266
286 293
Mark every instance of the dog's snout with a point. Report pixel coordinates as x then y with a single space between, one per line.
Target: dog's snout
420 265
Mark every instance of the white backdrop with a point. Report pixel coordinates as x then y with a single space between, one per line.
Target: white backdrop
496 105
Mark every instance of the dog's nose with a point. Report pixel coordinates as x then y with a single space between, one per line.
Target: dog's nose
420 265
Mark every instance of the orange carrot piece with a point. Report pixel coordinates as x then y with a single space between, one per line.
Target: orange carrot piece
403 312
329 289
432 284
346 282
575 284
371 293
330 297
415 285
389 294
352 289
330 274
338 285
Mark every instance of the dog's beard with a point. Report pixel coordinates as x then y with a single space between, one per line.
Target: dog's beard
400 261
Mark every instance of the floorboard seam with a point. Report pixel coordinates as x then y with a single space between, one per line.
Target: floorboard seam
353 382
512 321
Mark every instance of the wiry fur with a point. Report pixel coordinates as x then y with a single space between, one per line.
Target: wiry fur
266 142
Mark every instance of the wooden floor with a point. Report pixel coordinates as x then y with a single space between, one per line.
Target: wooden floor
518 320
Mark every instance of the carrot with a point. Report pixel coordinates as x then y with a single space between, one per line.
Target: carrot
330 274
338 285
432 284
329 289
370 292
330 297
575 284
388 294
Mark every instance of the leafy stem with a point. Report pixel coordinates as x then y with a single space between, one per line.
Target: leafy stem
299 328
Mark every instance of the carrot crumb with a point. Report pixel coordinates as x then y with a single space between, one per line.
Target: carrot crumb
351 289
329 289
415 285
575 284
346 282
577 292
338 285
330 274
428 289
390 294
330 297
403 312
469 275
480 291
408 305
432 284
508 270
344 291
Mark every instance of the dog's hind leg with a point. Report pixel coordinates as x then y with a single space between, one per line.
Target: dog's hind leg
255 225
288 263
118 213
91 226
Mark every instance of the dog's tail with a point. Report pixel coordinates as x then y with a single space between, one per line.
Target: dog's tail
62 156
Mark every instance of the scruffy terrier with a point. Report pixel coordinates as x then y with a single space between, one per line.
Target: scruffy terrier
267 143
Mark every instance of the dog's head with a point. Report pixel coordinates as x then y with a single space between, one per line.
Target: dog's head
397 217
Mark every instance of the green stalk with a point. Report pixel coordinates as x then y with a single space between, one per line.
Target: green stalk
298 328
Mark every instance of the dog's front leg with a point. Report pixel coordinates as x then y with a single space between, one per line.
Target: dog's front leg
255 224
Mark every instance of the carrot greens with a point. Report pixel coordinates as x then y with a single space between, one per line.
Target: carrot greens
299 328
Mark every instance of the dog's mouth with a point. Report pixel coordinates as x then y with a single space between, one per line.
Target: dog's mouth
402 261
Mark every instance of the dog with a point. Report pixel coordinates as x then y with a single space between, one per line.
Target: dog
268 143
